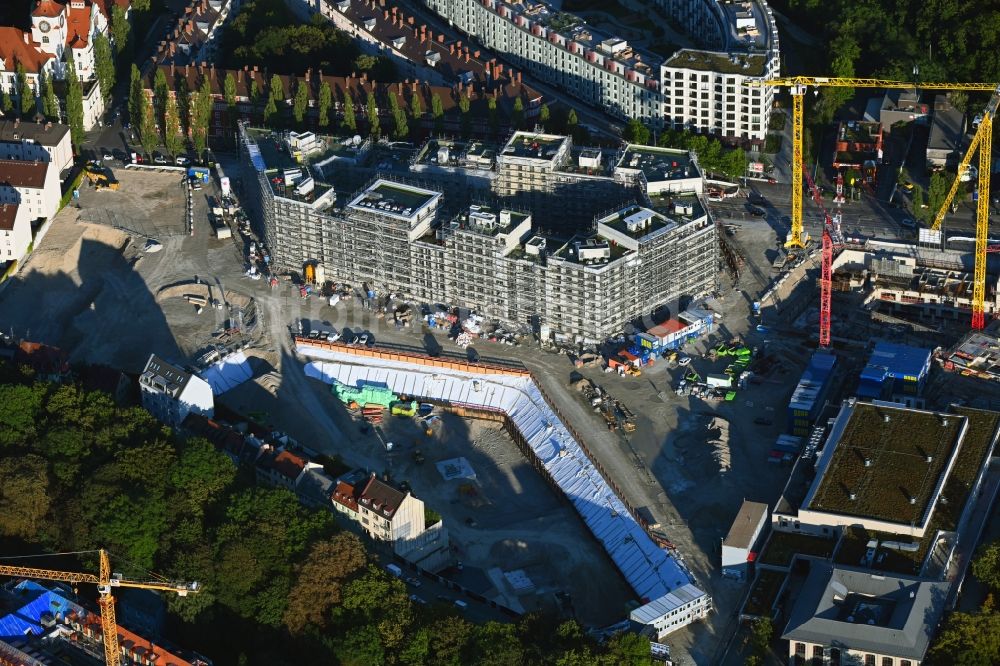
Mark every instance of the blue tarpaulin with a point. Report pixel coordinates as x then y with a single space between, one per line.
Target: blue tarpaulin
27 618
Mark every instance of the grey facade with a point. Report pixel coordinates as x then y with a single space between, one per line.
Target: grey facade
496 259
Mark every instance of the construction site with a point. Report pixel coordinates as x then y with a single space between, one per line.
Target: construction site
600 399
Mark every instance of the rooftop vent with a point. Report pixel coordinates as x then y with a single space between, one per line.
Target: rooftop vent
913 500
929 459
868 462
885 418
854 496
944 423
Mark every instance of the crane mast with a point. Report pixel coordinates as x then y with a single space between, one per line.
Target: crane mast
105 580
798 85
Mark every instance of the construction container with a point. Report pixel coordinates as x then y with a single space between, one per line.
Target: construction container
810 393
788 444
719 381
895 369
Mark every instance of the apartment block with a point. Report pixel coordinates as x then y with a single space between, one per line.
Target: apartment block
36 142
392 516
585 280
701 89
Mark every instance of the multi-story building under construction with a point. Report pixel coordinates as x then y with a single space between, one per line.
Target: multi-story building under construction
496 259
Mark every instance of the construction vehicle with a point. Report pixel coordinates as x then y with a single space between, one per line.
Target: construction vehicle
402 408
104 580
100 176
797 86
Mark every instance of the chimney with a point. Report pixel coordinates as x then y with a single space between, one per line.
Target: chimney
385 14
451 49
410 20
440 39
519 77
423 28
466 55
307 75
476 54
255 68
413 86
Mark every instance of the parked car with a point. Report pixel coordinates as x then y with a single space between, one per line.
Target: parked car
684 360
159 159
907 185
332 336
757 199
757 211
415 582
908 223
108 157
418 600
182 161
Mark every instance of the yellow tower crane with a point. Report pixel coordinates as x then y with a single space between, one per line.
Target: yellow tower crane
799 85
105 580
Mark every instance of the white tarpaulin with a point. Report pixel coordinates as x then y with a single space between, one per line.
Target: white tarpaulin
652 572
227 373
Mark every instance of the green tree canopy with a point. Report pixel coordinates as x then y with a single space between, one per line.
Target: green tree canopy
173 140
74 104
324 103
104 65
301 102
350 120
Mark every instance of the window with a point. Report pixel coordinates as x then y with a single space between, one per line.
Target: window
869 660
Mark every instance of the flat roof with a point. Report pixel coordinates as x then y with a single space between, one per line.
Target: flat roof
813 381
885 456
490 220
394 199
901 361
637 221
658 164
745 525
570 250
530 145
473 154
747 64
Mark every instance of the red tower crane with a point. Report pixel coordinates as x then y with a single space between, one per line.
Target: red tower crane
831 237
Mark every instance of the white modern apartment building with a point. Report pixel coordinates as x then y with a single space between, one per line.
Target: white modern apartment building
170 393
695 89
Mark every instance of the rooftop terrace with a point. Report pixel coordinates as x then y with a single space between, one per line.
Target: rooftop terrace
658 164
394 199
590 251
589 162
529 145
458 154
886 464
636 222
717 61
490 220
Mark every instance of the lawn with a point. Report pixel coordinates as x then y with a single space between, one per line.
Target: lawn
982 429
782 545
763 593
885 463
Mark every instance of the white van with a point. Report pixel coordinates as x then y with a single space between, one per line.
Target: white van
461 604
394 570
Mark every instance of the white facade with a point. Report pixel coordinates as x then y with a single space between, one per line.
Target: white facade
170 394
33 186
693 89
15 232
672 611
30 142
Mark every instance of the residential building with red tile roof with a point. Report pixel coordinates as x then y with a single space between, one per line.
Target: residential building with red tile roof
389 514
280 469
60 29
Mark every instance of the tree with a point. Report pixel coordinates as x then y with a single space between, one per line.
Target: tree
301 104
494 117
173 141
937 192
136 96
402 128
350 121
320 581
201 115
986 566
74 104
372 114
25 92
628 648
543 114
437 112
416 105
50 104
497 644
276 93
140 5
6 104
104 65
518 115
229 92
160 93
464 104
969 639
148 133
121 29
761 632
571 122
24 496
636 132
325 100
